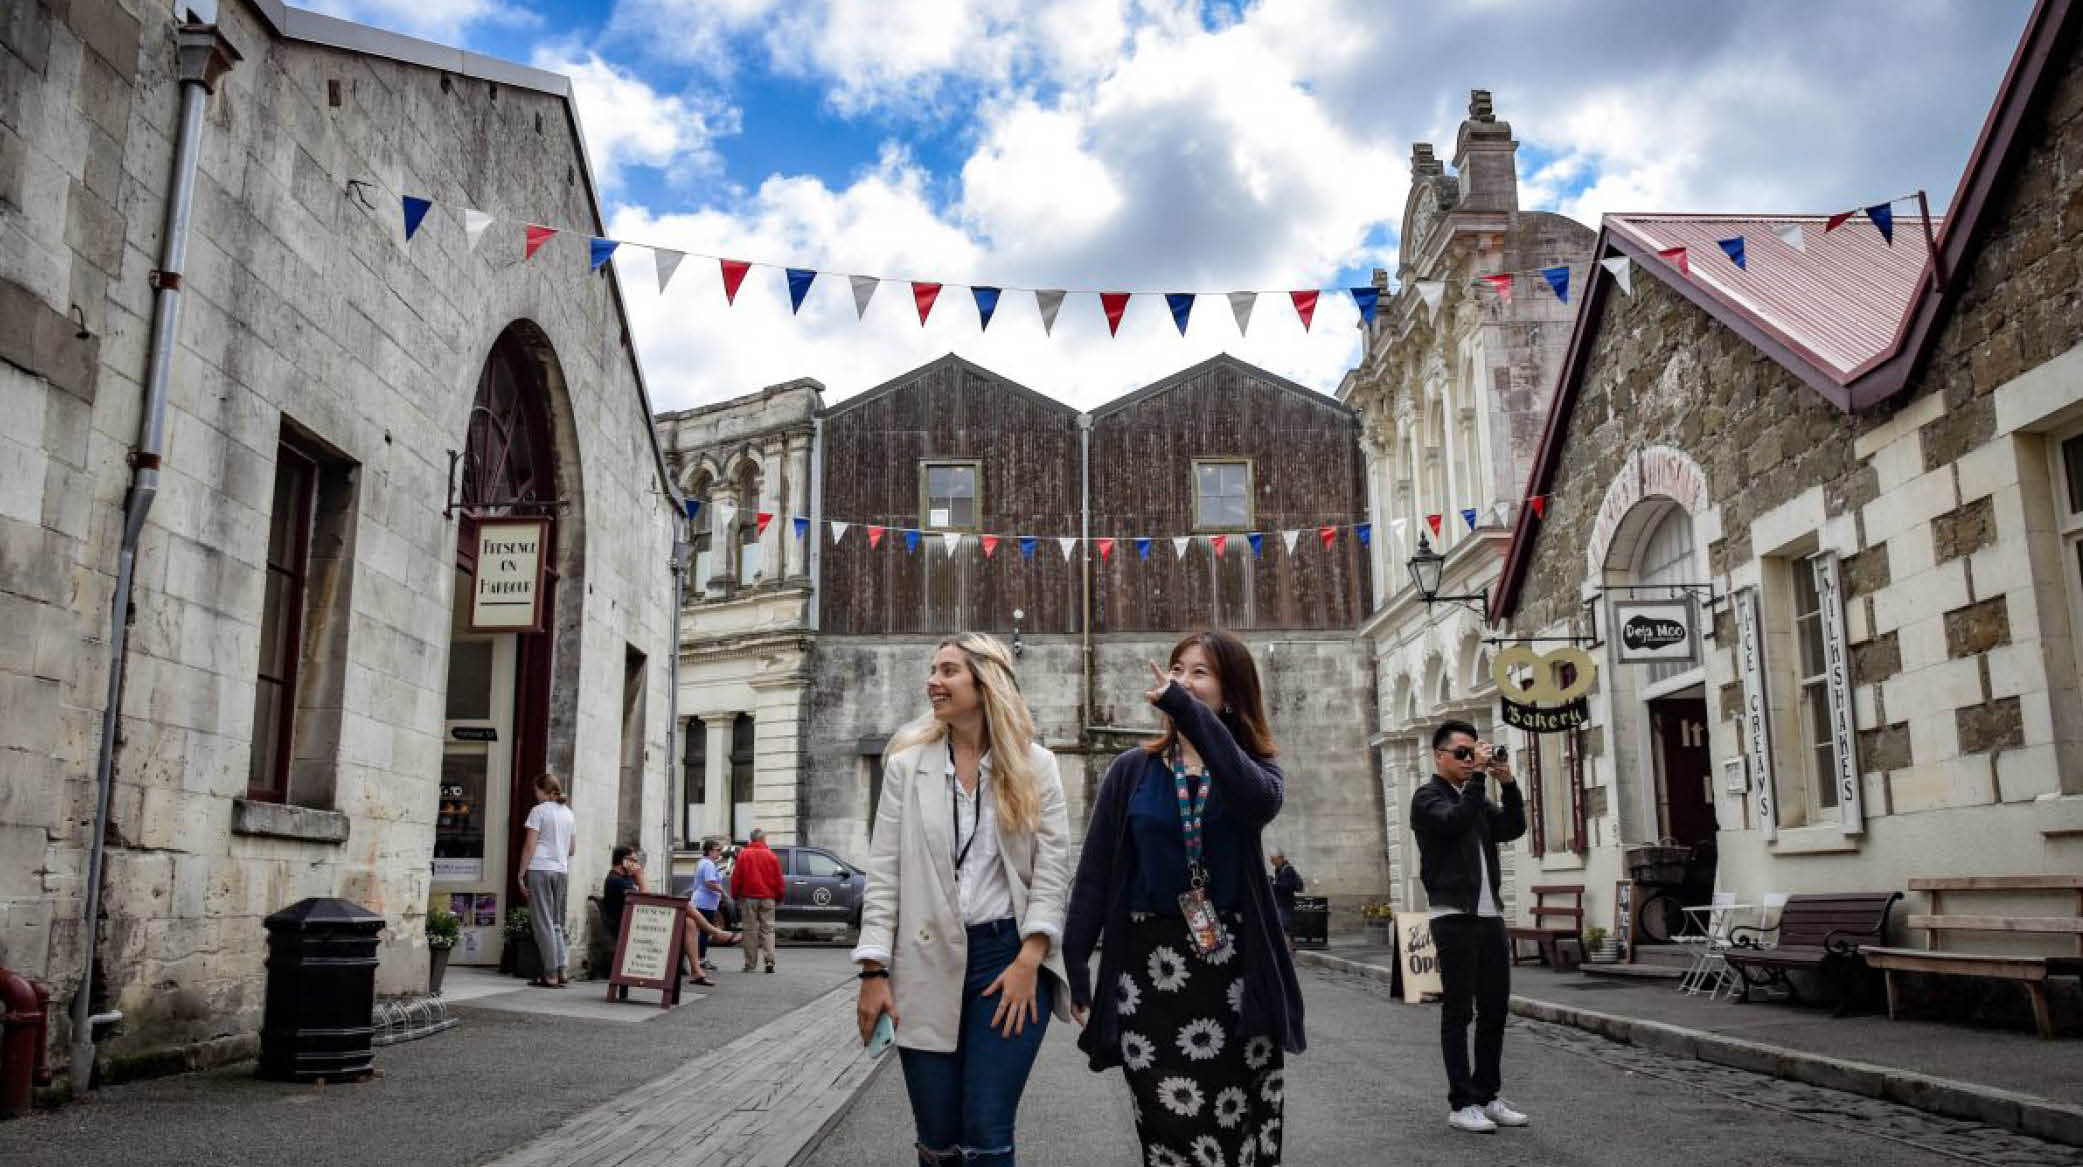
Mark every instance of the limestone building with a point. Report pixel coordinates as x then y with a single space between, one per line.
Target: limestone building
1451 389
402 535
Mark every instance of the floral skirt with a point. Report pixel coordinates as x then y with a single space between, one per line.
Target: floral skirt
1204 1095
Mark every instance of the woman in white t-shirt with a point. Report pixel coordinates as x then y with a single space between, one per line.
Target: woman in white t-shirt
546 852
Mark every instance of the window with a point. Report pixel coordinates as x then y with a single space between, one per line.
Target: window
281 625
1818 754
741 741
748 549
1222 494
818 865
1554 788
949 496
703 536
694 772
1667 558
2068 522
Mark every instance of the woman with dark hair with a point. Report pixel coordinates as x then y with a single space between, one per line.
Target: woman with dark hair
1197 1000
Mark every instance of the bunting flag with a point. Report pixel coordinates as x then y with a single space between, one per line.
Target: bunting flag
1501 512
763 517
1068 546
1432 521
802 526
1733 248
598 250
1218 542
799 281
874 536
863 291
1179 545
693 507
1241 304
1305 307
1328 534
1468 516
1791 236
1143 548
839 531
1365 300
415 213
1106 550
990 543
1396 529
733 274
1048 300
1257 540
1838 220
1430 291
1365 531
1181 304
1114 304
1622 270
1288 539
1676 257
952 540
1501 283
1558 280
986 305
923 293
726 513
911 541
1027 546
537 236
664 263
474 224
1539 503
1883 217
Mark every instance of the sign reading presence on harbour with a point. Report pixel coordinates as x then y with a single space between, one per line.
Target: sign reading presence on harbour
647 949
1551 697
506 590
1656 631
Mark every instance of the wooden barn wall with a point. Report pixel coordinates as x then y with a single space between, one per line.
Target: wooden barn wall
1028 450
1306 472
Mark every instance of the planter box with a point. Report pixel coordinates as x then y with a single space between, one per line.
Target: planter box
1381 933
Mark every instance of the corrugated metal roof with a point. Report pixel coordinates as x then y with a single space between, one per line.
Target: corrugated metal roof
1840 301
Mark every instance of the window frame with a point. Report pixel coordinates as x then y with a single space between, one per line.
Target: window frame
1193 487
749 757
2068 527
975 466
694 776
750 556
291 616
1819 782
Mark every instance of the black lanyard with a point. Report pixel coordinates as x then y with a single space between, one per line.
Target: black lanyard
954 808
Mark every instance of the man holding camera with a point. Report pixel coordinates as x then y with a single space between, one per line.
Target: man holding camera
1458 829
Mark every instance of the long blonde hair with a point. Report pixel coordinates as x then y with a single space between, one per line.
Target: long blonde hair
1008 730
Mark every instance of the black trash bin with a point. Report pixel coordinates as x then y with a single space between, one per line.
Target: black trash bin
1311 921
321 992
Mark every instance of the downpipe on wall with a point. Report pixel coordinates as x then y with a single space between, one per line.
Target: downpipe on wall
202 56
1089 709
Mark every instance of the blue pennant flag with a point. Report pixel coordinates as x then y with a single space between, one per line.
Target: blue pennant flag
1257 541
1468 516
601 249
694 507
1181 304
1365 299
1733 247
1027 546
1883 216
802 527
1143 547
911 542
415 210
1366 533
798 287
1558 279
986 305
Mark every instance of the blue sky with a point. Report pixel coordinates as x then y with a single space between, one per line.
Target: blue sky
1186 145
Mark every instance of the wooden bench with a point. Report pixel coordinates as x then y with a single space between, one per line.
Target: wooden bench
1821 934
1548 938
2028 970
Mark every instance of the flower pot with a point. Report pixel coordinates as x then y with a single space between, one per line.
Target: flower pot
1603 952
527 958
1379 933
437 967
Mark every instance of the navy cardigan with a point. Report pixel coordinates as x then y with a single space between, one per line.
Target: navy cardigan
1251 788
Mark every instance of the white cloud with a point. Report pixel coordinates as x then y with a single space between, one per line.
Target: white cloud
443 21
628 123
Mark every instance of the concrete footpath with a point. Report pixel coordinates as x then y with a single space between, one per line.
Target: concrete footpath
2010 1080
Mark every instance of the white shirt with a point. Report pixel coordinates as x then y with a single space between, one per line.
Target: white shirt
984 892
553 826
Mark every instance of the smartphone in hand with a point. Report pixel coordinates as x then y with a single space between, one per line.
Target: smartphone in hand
883 1037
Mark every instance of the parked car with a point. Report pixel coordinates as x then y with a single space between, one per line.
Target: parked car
823 890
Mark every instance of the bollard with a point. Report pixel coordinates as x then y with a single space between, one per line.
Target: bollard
319 1020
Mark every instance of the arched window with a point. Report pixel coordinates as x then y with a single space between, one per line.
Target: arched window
749 566
704 544
1668 558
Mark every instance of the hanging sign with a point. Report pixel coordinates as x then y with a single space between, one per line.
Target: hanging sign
506 591
1656 631
1554 696
647 949
1757 719
1838 689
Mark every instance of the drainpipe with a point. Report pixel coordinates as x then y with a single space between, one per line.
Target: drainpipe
1091 665
676 804
201 57
817 516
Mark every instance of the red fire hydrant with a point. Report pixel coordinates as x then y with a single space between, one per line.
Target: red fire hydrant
25 1008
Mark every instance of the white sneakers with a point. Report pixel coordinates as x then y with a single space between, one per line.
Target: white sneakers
1484 1120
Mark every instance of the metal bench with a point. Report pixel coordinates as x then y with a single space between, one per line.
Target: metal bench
1820 934
2026 969
1547 938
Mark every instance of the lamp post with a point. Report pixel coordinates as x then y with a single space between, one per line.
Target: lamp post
1018 648
1426 568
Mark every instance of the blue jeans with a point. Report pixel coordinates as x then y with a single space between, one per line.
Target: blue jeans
964 1102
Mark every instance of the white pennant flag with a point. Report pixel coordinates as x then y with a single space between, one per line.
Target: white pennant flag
1430 291
667 263
952 540
1791 236
1502 510
1290 538
1397 527
474 224
839 531
1623 272
1179 545
1049 302
1070 547
863 291
725 512
1241 304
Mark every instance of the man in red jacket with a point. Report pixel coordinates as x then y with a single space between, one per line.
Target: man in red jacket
755 882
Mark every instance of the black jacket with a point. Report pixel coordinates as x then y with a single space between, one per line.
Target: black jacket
1458 829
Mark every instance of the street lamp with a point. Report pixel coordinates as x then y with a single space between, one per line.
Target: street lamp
1425 570
1018 648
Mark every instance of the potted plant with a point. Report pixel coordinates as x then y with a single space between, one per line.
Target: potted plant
444 929
519 956
1598 949
1379 920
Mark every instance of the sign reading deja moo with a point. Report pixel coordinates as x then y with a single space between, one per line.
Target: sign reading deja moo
506 592
1545 692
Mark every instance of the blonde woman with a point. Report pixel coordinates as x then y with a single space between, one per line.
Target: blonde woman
967 876
546 850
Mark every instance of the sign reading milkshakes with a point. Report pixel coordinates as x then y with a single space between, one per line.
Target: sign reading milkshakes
506 591
1554 696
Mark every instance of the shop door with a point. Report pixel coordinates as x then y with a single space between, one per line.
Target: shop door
471 842
1684 769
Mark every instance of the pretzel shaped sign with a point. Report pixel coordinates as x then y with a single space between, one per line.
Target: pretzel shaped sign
1545 703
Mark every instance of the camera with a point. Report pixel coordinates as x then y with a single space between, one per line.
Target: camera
1498 751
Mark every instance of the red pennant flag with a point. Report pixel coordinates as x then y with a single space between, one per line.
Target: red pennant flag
1106 548
1328 534
1501 284
923 294
874 536
1113 304
990 543
733 274
1433 522
1218 542
765 517
537 236
1837 220
1539 503
1305 306
1676 255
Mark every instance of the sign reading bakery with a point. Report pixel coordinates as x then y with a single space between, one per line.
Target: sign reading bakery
506 593
1656 631
1545 692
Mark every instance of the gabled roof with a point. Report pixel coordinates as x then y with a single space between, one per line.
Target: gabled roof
1782 321
1221 360
949 360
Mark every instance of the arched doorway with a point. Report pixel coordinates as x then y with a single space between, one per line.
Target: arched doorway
1676 695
